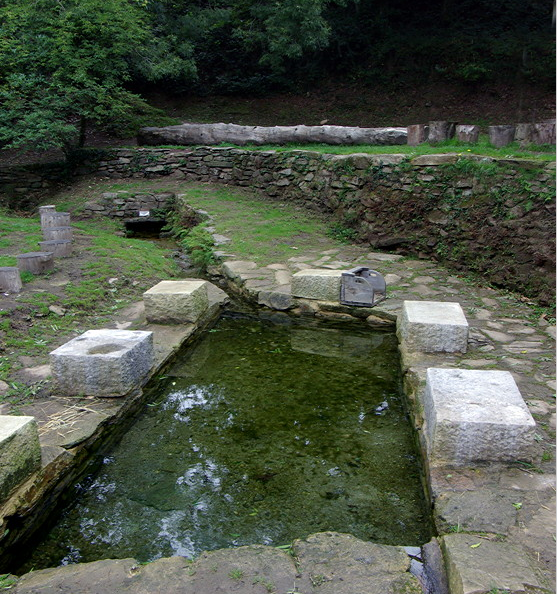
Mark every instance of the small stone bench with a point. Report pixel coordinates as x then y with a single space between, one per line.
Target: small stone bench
319 284
36 262
20 451
433 327
176 302
476 416
103 363
10 279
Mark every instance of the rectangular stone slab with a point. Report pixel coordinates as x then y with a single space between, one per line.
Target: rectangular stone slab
433 327
176 302
20 452
317 283
476 415
103 362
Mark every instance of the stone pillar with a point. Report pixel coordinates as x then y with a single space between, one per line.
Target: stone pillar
466 133
51 218
36 262
440 131
57 233
543 133
523 134
500 136
10 280
61 248
416 134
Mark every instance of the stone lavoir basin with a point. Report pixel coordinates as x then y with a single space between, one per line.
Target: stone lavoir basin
260 434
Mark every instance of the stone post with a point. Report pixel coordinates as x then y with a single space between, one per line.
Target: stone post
61 248
10 280
500 136
50 218
440 131
416 134
543 133
45 212
466 133
36 262
57 233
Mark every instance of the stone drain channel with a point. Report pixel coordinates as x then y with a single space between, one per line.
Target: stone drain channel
477 433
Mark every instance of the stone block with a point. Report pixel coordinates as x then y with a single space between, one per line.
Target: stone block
477 565
475 416
320 284
61 248
51 218
57 233
36 262
103 362
417 134
176 302
20 452
433 327
10 279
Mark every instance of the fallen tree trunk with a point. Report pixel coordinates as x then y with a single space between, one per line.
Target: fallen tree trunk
209 134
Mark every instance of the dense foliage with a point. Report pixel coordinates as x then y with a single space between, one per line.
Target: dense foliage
66 63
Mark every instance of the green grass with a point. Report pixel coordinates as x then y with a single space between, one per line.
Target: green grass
483 147
261 231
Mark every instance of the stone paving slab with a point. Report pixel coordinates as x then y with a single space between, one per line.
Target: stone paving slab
326 563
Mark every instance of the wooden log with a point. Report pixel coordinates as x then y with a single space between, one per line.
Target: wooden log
10 280
468 133
57 233
440 131
416 134
36 262
209 134
500 136
51 218
61 248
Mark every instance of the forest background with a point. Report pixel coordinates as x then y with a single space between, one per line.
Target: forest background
69 66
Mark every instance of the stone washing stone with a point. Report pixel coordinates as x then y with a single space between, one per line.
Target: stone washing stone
323 285
176 302
433 327
20 452
478 565
474 416
103 362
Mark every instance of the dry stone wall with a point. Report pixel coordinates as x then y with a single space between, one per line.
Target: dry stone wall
491 216
494 217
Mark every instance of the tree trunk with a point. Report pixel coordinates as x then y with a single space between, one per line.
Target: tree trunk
82 131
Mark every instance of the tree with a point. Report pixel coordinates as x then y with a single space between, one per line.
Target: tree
65 64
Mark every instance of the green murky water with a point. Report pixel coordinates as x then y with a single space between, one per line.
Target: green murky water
264 433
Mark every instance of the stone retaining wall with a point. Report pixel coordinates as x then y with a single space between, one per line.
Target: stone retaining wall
491 216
